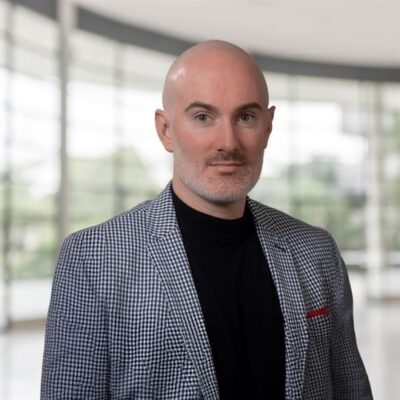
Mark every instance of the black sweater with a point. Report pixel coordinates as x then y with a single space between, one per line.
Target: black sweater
239 302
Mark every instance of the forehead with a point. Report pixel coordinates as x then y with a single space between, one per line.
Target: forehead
221 81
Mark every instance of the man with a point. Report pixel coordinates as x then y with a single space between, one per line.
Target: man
203 293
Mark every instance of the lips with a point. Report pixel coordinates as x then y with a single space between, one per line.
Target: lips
226 164
226 167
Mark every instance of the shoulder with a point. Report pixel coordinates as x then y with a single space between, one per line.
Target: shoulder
290 228
93 238
128 232
312 248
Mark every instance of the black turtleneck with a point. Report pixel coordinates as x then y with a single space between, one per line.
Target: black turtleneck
239 303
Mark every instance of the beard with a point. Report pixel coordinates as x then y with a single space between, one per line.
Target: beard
202 178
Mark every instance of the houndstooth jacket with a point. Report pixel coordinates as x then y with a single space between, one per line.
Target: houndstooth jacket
125 321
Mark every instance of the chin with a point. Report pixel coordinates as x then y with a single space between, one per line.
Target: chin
225 195
219 189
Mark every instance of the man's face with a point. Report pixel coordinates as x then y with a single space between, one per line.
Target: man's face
219 126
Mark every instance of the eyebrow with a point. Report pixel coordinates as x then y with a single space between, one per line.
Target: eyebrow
209 107
199 104
250 105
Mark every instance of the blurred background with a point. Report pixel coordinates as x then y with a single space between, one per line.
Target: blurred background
79 83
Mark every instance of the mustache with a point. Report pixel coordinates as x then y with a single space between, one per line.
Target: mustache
227 157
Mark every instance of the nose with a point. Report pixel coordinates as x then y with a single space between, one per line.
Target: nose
227 137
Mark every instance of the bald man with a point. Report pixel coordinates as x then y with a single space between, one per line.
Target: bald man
203 293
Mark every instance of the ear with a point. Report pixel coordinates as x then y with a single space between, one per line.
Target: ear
163 129
270 117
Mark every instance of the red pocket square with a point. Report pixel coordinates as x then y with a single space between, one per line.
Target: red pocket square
318 312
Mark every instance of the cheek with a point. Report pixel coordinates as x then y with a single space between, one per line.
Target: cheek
188 151
191 146
254 147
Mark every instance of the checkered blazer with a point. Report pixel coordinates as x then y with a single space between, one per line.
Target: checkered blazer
125 321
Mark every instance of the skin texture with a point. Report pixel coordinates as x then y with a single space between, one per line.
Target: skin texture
217 123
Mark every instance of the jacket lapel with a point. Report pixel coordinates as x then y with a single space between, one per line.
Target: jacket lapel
284 274
167 251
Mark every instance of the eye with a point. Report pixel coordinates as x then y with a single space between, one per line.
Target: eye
202 117
245 117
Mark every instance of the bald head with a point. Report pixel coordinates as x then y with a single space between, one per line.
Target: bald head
216 56
216 122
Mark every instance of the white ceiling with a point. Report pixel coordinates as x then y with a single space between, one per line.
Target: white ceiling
354 32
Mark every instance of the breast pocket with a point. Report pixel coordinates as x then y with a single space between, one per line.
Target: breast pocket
319 328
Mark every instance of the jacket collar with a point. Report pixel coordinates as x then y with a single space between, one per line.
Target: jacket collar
162 218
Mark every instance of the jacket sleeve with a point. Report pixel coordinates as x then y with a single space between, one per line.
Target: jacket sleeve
75 354
349 377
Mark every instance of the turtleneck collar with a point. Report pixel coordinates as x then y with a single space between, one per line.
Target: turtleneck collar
195 222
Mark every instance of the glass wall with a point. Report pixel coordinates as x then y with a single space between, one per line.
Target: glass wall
115 159
29 141
316 164
391 124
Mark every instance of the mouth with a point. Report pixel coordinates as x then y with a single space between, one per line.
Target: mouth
226 164
226 167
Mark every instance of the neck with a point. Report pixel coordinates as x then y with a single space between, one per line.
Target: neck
224 210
